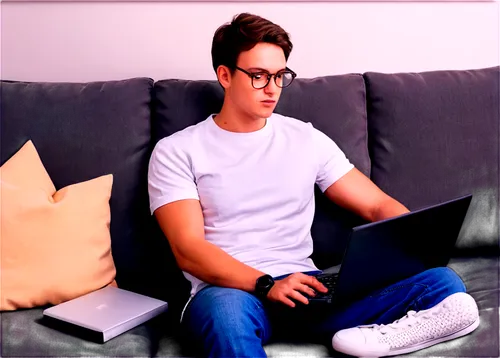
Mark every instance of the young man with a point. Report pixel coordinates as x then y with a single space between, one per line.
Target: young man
234 195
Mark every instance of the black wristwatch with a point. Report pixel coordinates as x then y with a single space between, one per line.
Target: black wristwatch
263 285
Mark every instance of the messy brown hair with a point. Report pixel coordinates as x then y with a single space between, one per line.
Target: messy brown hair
242 34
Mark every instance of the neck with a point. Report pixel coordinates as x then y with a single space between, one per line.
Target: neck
233 120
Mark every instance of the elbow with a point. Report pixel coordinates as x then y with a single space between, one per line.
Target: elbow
180 259
373 215
182 264
387 208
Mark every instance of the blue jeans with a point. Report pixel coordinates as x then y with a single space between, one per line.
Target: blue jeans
226 322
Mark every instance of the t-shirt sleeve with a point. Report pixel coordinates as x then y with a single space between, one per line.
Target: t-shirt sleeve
332 162
170 177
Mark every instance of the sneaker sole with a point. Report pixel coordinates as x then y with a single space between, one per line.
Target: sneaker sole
376 354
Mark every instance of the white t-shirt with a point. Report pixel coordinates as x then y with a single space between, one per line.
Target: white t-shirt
256 189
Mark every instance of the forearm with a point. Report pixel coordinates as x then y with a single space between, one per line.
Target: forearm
388 209
213 265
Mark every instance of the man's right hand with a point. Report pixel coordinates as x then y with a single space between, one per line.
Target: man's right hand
291 287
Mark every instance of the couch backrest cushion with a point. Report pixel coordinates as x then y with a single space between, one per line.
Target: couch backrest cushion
334 105
85 130
434 136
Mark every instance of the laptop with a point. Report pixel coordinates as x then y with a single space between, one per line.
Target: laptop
382 253
103 314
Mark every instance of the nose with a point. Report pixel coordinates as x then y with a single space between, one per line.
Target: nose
271 87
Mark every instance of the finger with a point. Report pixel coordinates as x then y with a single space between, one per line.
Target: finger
311 281
307 289
287 301
298 297
314 283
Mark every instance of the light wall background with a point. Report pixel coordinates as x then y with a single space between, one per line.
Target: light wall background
76 41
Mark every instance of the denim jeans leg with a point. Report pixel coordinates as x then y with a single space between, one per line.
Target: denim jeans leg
227 322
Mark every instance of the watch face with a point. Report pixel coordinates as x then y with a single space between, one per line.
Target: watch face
266 281
264 284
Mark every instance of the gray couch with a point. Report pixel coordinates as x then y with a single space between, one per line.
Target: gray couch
422 137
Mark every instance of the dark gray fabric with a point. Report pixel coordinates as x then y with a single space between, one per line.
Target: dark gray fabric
434 136
179 104
27 333
333 104
81 131
480 233
24 334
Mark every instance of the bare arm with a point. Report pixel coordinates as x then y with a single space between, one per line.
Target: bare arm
356 192
182 223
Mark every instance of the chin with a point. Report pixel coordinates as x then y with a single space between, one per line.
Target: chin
259 113
265 113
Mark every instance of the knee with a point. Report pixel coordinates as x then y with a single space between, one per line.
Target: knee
445 278
439 283
228 312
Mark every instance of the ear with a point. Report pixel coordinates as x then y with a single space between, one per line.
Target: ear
224 76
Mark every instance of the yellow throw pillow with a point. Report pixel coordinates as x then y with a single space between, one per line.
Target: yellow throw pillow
55 245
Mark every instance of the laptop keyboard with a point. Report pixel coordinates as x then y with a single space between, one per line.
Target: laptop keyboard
329 281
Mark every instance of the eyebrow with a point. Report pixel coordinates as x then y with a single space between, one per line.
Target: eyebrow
263 69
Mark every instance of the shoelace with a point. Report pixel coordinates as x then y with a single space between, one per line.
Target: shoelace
410 319
403 322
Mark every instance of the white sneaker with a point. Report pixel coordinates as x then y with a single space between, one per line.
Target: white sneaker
456 316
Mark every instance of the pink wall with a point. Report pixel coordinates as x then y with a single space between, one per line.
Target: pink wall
102 41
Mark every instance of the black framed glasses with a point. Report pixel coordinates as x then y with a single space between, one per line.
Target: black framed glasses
261 79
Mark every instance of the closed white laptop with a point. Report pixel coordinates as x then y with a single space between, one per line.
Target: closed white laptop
103 314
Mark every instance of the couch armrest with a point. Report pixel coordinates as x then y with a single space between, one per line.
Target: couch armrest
481 227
